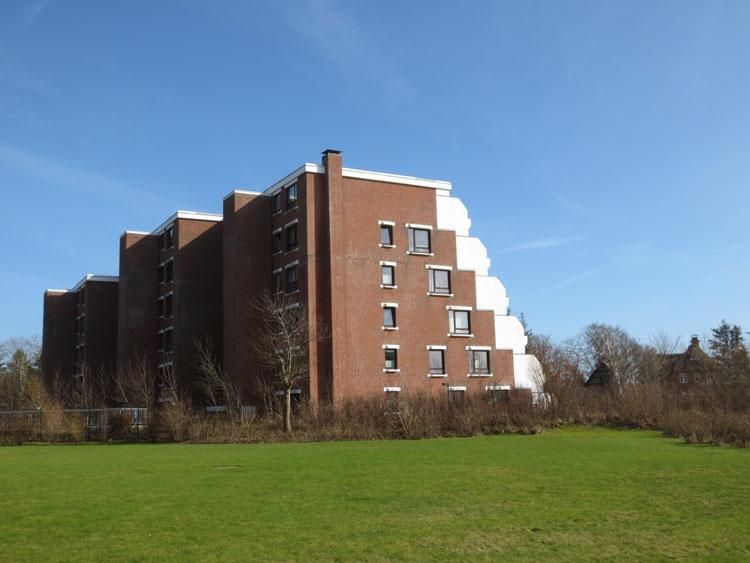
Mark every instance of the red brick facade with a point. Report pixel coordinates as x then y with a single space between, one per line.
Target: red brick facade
320 230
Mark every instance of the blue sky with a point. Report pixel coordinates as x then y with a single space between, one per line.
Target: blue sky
602 148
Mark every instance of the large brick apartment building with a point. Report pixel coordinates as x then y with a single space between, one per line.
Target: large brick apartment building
384 262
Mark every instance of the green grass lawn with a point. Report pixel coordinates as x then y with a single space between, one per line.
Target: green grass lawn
565 494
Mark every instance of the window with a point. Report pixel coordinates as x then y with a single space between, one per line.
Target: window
169 272
160 341
419 240
292 281
276 242
161 274
479 362
81 296
389 316
439 281
160 307
387 275
168 306
697 378
456 394
291 237
497 393
459 322
437 362
386 235
291 196
168 341
169 237
391 358
277 202
276 282
683 378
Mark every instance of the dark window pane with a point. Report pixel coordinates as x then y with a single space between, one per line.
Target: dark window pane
391 359
291 237
440 281
291 196
386 234
389 316
277 202
292 283
277 242
479 361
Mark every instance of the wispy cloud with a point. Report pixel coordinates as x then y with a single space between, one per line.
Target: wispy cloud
568 203
541 244
574 279
63 177
334 31
733 247
31 13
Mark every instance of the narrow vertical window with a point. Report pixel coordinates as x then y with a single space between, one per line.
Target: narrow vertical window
387 275
168 306
291 196
386 235
276 282
277 202
291 237
169 271
389 317
391 359
276 241
292 281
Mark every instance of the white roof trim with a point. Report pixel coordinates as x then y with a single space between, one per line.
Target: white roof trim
289 178
243 192
194 215
94 278
395 179
55 291
129 232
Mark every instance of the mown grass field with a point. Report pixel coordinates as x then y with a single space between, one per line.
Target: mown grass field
565 494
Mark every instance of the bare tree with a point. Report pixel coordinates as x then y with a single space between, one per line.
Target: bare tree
136 383
217 385
610 345
281 344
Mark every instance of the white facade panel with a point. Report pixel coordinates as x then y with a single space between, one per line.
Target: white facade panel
491 295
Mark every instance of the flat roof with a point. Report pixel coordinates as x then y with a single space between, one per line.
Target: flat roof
194 215
86 278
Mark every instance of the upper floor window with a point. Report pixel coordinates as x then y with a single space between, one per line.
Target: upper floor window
386 235
391 359
439 280
291 196
388 274
82 296
291 237
437 361
169 271
276 202
459 321
419 240
389 315
276 282
169 237
479 362
292 279
276 241
161 273
683 378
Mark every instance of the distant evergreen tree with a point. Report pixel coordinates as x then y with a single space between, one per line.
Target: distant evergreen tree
729 352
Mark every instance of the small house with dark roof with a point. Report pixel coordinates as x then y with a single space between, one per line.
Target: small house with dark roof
601 376
690 368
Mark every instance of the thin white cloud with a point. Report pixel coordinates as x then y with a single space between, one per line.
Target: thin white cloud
541 244
335 32
569 203
62 177
734 247
574 279
32 11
